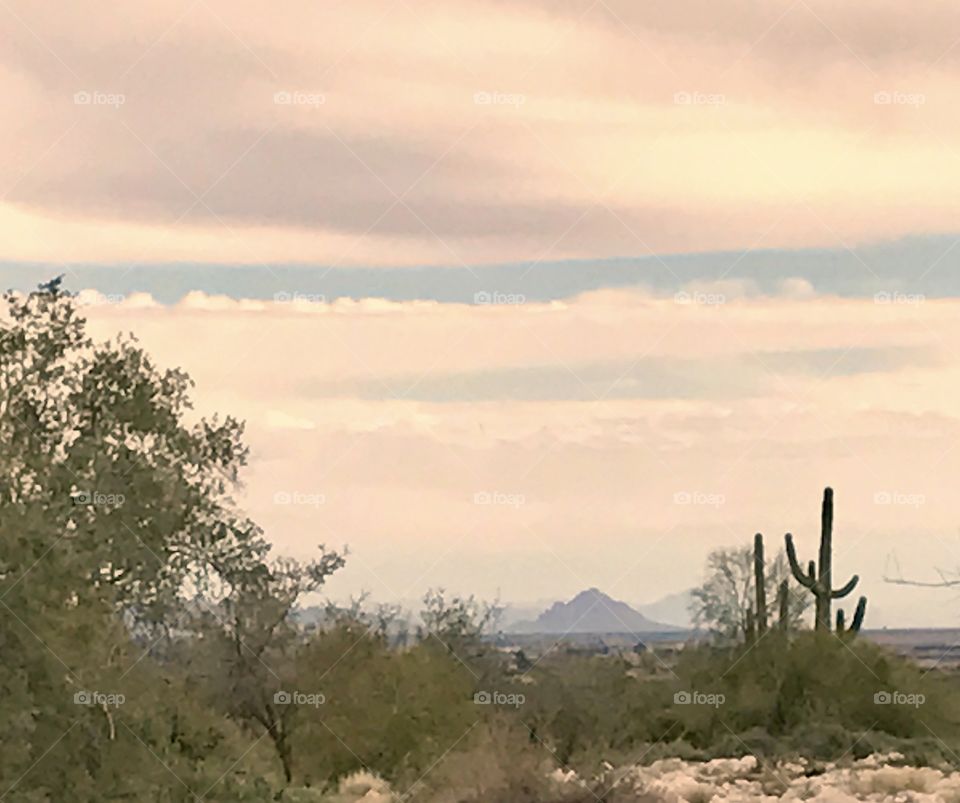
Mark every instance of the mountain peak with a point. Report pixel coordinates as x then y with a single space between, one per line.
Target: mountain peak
592 611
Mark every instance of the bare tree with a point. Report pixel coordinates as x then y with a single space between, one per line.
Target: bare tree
724 602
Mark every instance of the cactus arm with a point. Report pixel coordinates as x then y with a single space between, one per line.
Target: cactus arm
858 615
812 572
842 592
798 574
760 584
841 622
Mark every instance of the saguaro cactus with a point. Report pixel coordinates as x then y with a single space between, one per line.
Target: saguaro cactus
783 601
819 579
857 622
760 582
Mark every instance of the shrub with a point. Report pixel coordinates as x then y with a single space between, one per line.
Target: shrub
816 686
497 763
388 711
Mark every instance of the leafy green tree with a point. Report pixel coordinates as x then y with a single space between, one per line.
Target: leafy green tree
96 436
113 506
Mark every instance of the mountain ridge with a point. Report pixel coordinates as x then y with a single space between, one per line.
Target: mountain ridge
592 611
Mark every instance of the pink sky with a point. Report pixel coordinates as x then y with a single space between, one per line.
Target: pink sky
398 133
351 132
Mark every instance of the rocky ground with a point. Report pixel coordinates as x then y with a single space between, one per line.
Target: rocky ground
745 780
875 778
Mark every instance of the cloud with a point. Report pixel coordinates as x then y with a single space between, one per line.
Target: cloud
526 131
746 375
198 300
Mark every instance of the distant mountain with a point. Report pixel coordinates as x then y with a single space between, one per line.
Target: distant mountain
674 609
592 611
519 614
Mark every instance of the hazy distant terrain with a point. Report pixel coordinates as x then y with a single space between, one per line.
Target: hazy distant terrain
591 611
673 609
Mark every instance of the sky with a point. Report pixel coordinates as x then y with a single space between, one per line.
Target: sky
526 297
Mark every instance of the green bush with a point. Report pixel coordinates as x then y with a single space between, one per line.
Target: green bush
388 711
811 694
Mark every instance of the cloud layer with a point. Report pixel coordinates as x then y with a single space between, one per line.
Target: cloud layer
472 131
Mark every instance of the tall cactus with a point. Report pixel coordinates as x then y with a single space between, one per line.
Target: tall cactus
760 583
820 583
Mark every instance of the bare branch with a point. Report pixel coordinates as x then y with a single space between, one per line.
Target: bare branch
900 580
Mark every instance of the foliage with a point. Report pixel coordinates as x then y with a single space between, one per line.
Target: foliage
815 682
113 507
720 604
388 710
461 620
